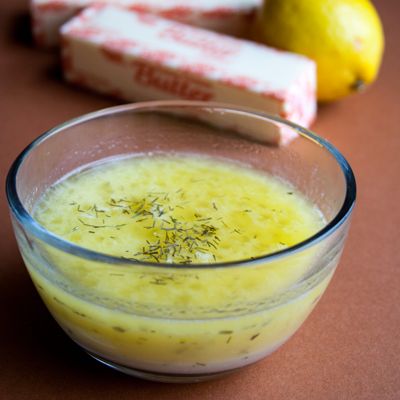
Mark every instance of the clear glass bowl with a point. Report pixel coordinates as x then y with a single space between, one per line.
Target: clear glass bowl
235 313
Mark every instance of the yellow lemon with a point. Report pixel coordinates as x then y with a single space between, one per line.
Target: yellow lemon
344 37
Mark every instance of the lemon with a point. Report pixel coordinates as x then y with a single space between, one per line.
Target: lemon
344 37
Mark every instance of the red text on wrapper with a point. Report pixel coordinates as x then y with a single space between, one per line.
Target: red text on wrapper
171 82
197 39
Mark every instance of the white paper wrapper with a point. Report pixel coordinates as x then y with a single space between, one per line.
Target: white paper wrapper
233 17
137 56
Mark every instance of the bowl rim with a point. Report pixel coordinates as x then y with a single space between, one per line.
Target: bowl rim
34 228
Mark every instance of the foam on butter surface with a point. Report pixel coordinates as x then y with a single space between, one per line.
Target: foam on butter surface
178 209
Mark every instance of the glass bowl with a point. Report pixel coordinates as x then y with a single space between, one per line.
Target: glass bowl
133 317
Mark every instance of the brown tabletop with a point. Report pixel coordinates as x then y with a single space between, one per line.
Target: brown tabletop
349 348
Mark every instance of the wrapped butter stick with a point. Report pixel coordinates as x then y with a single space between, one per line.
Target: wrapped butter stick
137 56
232 17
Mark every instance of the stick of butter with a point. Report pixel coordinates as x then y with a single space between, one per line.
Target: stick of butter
232 17
137 56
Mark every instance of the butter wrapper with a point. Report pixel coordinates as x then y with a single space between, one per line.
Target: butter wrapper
232 17
136 57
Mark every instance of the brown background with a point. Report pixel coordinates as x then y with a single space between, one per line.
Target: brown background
350 346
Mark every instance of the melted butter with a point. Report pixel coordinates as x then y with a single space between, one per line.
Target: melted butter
178 209
176 319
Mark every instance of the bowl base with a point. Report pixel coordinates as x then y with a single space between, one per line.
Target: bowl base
158 376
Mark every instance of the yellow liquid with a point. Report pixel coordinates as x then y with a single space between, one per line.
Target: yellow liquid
184 210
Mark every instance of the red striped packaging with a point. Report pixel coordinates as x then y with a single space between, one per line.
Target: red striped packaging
137 56
232 17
